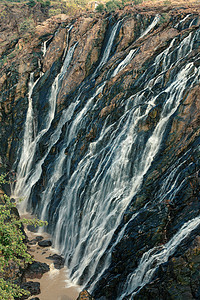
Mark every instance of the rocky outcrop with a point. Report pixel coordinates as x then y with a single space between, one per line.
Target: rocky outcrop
36 270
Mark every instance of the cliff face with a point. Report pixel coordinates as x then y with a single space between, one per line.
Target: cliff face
104 138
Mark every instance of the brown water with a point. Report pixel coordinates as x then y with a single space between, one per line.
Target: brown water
53 284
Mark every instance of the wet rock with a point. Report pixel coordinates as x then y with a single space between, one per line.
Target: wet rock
36 270
39 238
35 240
58 261
84 295
45 243
35 298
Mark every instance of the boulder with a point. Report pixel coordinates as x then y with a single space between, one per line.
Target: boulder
58 261
35 240
39 238
36 270
45 243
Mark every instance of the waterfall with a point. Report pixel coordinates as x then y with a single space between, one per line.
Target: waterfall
110 191
124 62
151 26
108 48
44 47
89 186
59 163
155 257
26 177
67 41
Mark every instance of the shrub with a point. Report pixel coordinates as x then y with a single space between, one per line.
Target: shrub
113 5
80 2
54 11
31 3
100 8
13 250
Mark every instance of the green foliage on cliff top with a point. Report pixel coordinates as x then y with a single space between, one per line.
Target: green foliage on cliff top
13 251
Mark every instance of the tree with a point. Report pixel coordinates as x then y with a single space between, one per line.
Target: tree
13 250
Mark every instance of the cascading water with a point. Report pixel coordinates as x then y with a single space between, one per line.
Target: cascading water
85 199
151 26
106 52
155 257
124 63
26 176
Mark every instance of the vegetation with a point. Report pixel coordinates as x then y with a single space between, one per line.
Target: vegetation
113 5
100 8
32 3
13 251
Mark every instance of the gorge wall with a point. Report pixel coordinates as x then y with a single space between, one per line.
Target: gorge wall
100 121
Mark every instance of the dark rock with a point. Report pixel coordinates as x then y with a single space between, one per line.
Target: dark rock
36 270
35 240
32 228
39 238
58 261
35 298
84 295
45 243
32 242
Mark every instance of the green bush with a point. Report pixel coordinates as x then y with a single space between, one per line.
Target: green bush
113 5
80 2
54 11
31 3
100 8
13 250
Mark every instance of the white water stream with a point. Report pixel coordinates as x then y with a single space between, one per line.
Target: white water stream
155 257
26 175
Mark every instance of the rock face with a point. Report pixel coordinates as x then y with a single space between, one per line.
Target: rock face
115 169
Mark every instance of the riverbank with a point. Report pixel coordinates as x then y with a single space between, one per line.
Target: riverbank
53 284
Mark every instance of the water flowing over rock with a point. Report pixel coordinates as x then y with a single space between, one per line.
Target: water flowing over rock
103 136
